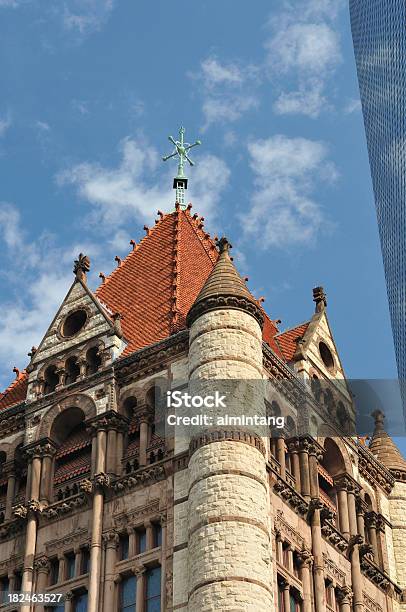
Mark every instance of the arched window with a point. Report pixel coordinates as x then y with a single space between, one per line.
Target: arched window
51 379
156 444
72 370
73 456
93 360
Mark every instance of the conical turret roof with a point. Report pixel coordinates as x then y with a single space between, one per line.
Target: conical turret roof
224 288
384 448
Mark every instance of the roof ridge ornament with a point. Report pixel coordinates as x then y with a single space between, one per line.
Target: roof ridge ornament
320 299
81 267
181 151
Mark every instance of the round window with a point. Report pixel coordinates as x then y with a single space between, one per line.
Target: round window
73 323
326 356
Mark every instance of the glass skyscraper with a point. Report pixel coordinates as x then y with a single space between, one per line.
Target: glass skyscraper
379 36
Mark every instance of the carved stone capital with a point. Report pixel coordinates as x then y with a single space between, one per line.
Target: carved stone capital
111 539
138 570
86 486
344 595
371 519
42 564
68 596
305 558
102 480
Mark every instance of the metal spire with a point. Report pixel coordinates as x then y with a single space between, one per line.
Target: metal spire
181 150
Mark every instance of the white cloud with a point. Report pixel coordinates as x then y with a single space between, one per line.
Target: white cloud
43 126
5 123
225 109
352 106
227 90
215 73
302 55
10 224
309 101
137 188
283 211
85 16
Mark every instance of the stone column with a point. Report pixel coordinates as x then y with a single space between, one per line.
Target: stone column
356 576
48 452
61 568
304 467
42 567
314 456
139 572
119 451
30 513
69 601
344 598
317 551
78 561
280 455
305 560
361 509
100 481
370 522
149 535
225 342
286 595
110 542
111 451
92 432
293 451
11 487
340 483
352 491
143 420
131 542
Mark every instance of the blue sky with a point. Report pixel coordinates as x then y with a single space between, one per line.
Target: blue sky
90 91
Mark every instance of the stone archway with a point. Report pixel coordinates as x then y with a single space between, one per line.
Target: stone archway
79 400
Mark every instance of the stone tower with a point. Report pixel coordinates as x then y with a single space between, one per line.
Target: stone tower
229 535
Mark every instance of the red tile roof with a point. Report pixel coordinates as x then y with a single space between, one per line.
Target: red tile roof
15 392
287 340
76 441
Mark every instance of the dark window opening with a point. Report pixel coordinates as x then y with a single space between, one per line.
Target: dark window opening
93 360
51 379
74 323
72 370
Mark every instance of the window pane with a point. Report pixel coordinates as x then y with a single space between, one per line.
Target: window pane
70 566
142 541
128 594
124 546
85 561
81 603
158 535
153 603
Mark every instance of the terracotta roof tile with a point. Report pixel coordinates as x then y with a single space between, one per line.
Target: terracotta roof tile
287 340
157 283
16 392
73 467
78 440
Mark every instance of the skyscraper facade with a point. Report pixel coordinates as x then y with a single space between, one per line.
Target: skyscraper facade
378 31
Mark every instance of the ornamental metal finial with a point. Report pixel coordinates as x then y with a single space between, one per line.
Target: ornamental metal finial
181 150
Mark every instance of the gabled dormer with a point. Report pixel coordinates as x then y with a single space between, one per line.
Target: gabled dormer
83 337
